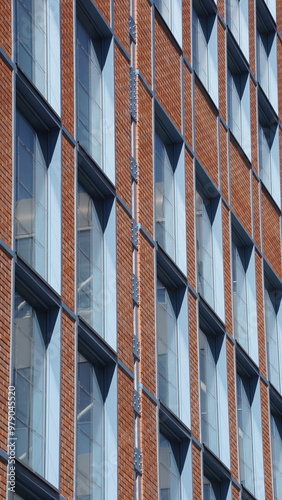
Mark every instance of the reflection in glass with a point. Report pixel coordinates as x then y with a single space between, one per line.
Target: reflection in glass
89 88
169 469
31 196
167 347
90 431
30 366
90 260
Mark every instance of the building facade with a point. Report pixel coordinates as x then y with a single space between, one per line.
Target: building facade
140 249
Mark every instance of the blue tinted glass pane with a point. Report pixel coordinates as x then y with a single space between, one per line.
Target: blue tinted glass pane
23 398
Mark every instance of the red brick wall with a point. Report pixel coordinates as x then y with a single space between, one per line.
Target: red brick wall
227 266
224 162
121 13
197 468
260 314
144 40
254 126
271 232
123 127
6 27
236 495
222 65
252 35
68 223
68 77
188 105
232 405
149 449
256 211
168 76
206 133
5 345
266 439
190 220
105 8
68 389
194 366
186 30
279 57
6 169
6 234
221 8
240 187
3 478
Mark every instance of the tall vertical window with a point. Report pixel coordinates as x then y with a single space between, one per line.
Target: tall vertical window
165 203
211 489
273 325
209 247
272 7
205 47
32 40
244 296
169 187
38 46
269 161
171 11
240 302
90 267
238 21
169 460
204 246
209 403
36 370
30 383
89 88
239 102
245 435
276 448
267 58
31 195
90 430
167 346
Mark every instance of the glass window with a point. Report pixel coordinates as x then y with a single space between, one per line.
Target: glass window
239 104
169 463
31 195
205 48
238 21
273 325
245 435
171 11
244 296
208 381
276 448
90 430
269 161
167 347
32 41
90 275
164 196
209 248
267 54
240 303
268 150
30 383
204 247
211 489
89 93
